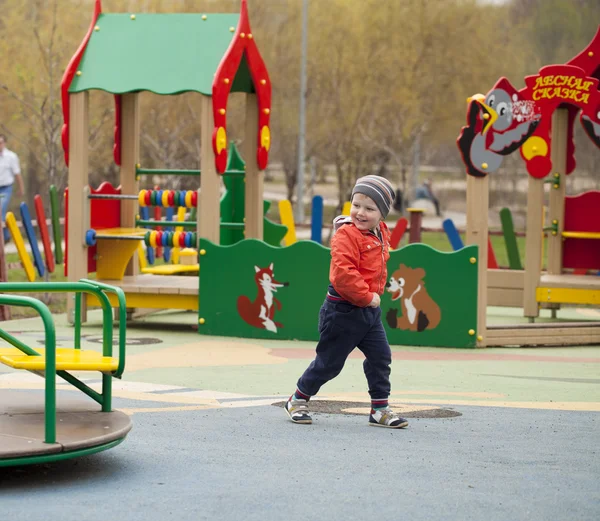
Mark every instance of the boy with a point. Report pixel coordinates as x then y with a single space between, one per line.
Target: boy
350 316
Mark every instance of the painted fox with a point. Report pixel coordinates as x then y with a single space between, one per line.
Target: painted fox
261 312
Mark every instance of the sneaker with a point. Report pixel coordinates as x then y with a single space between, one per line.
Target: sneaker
387 418
298 410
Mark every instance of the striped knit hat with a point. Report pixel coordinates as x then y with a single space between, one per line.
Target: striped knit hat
377 188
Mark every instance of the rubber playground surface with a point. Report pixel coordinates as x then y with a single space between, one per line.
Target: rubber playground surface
507 433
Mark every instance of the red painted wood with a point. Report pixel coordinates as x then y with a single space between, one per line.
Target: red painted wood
43 227
242 46
492 262
582 215
68 78
398 232
117 144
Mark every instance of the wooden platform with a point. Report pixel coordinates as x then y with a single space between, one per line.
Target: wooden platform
79 425
570 281
155 292
555 334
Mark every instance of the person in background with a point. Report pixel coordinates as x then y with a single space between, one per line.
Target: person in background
9 171
425 191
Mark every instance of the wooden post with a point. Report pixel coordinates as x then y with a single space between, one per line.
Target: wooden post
416 221
4 310
477 233
254 177
533 250
78 179
560 123
130 155
209 214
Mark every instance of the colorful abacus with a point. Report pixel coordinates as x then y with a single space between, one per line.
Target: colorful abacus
167 198
171 239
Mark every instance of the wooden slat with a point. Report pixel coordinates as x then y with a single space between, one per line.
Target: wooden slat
533 249
209 213
544 334
570 281
513 279
78 179
477 233
130 156
254 177
560 123
505 297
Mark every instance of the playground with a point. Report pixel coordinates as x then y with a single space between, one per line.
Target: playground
191 312
207 443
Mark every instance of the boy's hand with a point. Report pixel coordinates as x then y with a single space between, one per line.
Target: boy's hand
376 301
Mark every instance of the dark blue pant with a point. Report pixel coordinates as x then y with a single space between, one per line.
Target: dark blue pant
5 194
343 327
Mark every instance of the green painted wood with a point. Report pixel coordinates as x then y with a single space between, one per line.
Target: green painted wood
55 208
231 297
510 240
233 206
273 233
161 53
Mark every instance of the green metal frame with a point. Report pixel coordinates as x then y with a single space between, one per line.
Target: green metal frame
97 289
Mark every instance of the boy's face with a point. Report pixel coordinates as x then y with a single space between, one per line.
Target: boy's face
364 212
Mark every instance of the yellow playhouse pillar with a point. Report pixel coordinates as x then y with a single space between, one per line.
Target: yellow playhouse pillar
77 180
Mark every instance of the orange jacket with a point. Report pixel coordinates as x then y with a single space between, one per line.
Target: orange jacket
358 263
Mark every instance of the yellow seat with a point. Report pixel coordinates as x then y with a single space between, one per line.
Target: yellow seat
66 360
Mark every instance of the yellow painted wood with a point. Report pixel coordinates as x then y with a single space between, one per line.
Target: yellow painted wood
172 269
141 253
286 216
581 235
122 232
254 195
115 254
11 222
176 251
568 296
152 300
346 208
66 360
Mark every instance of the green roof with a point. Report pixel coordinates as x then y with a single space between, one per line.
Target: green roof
161 53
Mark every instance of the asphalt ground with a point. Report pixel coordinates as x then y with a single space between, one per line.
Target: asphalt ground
494 434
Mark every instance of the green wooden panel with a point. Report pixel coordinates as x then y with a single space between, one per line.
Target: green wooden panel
449 283
230 291
510 239
228 275
161 53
